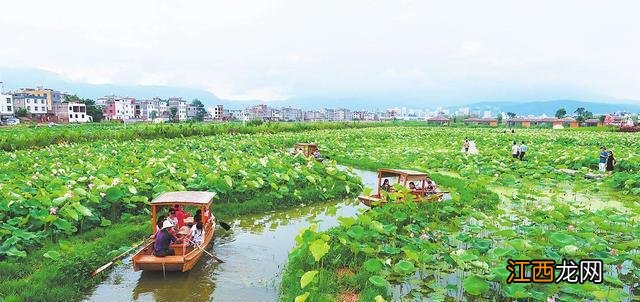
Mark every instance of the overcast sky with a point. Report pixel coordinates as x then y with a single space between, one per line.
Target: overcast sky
422 51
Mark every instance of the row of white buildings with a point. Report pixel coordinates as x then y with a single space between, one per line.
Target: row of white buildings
175 108
42 105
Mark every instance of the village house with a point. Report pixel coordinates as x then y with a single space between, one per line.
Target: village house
6 105
438 120
35 105
71 112
481 121
543 122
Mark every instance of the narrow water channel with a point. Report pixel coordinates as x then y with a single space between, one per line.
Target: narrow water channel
255 252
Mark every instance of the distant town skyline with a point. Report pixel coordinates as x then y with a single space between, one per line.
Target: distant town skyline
427 52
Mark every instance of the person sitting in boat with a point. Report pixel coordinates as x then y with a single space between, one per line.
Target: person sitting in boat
197 233
163 240
431 186
386 186
161 219
173 218
316 155
180 215
412 186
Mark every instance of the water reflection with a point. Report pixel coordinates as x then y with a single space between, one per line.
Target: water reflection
255 252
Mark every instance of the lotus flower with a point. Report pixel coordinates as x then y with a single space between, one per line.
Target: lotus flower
613 252
571 228
423 236
53 211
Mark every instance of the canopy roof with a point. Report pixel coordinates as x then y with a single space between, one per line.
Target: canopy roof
406 173
306 144
185 198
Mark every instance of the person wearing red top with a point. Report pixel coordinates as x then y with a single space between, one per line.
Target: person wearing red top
181 215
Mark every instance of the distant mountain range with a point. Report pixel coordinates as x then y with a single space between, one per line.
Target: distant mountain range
550 107
15 78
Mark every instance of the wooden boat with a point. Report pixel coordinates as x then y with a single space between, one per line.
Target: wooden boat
307 148
403 177
186 256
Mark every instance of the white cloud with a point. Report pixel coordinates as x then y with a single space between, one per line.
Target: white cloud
264 94
273 50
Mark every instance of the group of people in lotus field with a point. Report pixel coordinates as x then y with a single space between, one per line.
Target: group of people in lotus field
178 227
607 161
430 186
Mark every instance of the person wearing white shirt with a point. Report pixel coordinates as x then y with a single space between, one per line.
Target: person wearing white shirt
515 150
197 233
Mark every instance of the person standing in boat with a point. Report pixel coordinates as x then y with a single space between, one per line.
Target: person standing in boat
465 146
163 241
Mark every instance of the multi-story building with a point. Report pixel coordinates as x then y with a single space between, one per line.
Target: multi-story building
181 107
117 108
275 115
217 112
192 111
35 105
6 105
233 114
289 114
313 116
357 115
51 96
258 112
147 109
342 115
371 116
71 112
163 108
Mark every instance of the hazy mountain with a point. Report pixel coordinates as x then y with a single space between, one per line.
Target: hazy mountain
15 78
550 107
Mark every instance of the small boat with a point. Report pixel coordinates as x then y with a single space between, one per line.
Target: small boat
306 149
186 256
403 177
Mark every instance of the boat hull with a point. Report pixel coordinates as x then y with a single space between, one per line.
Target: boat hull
182 261
373 200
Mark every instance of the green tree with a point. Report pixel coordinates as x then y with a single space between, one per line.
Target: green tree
92 110
511 115
21 112
499 118
173 111
201 112
561 113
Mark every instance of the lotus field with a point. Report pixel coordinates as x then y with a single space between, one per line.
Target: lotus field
86 201
63 189
459 249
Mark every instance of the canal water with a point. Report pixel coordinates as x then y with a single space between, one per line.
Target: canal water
255 252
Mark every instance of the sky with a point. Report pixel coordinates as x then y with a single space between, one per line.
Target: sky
417 52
